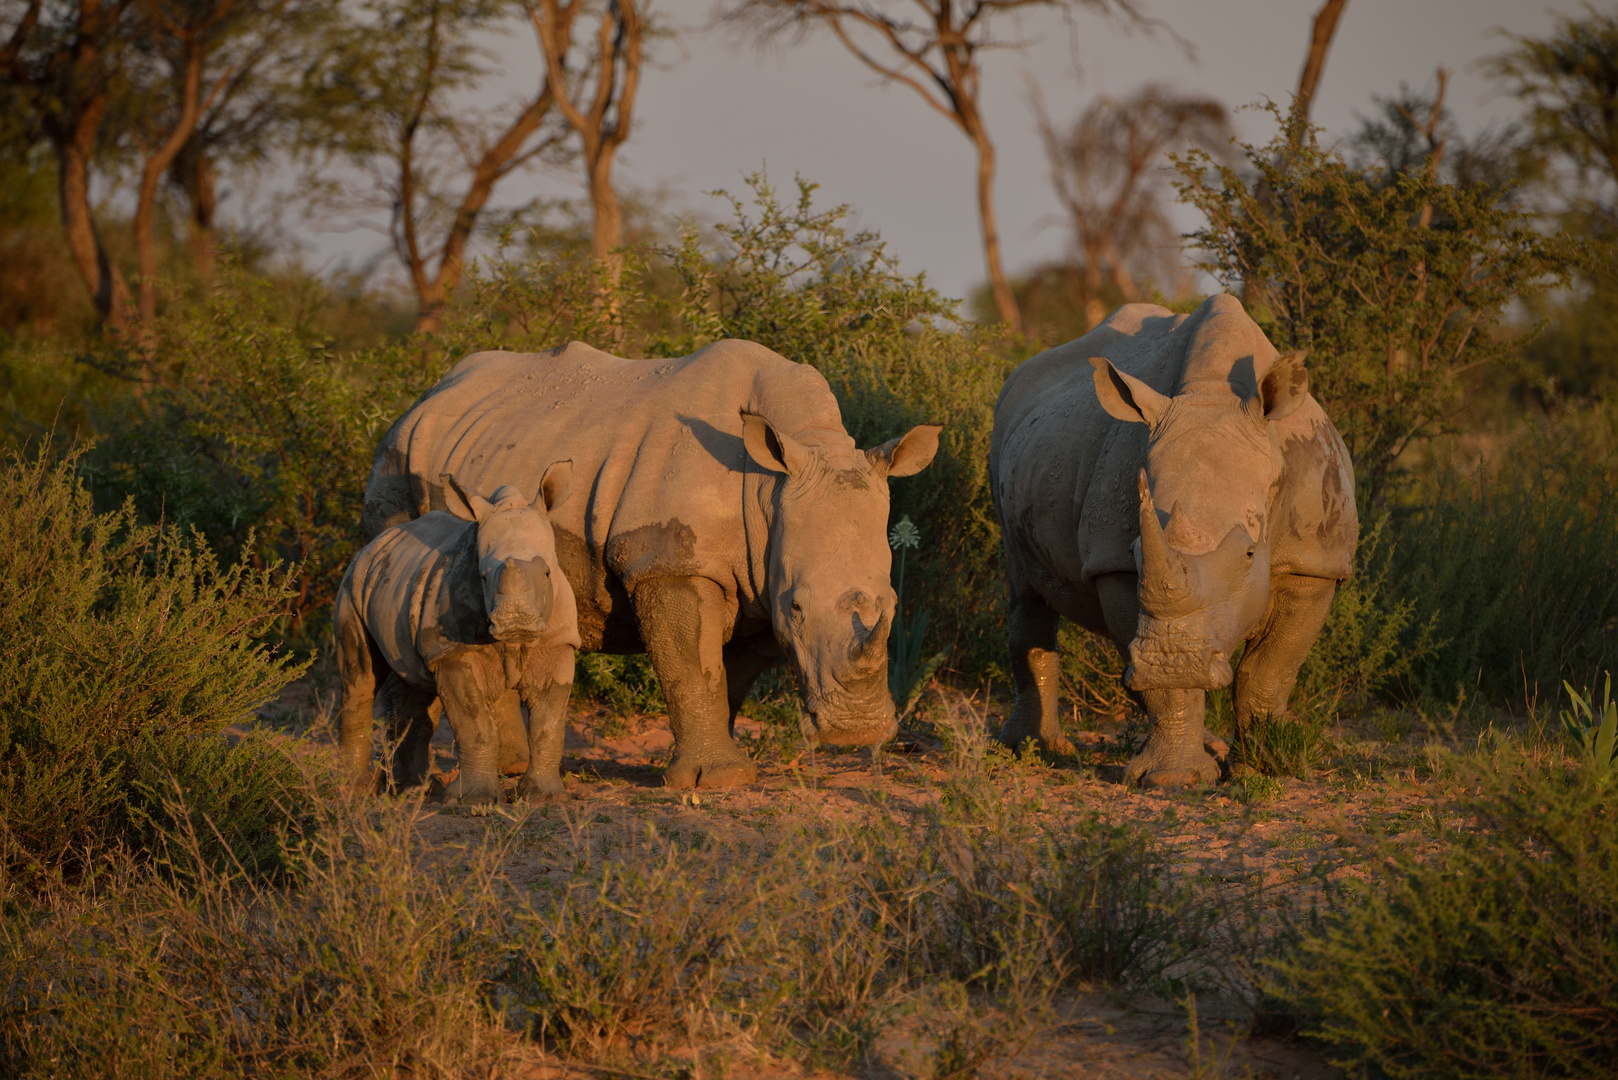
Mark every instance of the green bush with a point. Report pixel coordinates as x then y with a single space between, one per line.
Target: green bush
1498 956
128 650
254 432
1513 568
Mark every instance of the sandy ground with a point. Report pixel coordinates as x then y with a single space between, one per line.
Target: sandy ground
1305 827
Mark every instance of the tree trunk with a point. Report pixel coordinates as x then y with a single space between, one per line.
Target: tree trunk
152 174
107 288
1325 26
194 175
1005 302
495 163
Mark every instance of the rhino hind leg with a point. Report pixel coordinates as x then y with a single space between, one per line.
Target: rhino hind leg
744 663
358 663
683 622
1296 614
407 711
1035 672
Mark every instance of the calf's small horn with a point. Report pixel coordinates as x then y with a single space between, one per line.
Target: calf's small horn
874 644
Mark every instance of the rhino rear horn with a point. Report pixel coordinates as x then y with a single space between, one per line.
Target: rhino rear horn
874 645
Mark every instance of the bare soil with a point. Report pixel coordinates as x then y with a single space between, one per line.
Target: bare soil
1285 839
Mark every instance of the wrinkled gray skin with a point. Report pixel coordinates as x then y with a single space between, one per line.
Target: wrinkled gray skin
725 518
465 606
1167 480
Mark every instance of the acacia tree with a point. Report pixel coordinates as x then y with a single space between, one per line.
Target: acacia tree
1110 171
1569 82
62 63
1397 286
599 114
936 48
387 97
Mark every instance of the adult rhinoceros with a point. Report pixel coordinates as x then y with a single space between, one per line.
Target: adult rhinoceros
1169 481
721 516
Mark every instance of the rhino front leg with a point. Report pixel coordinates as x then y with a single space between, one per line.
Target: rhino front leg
546 697
1173 756
744 662
1036 674
463 686
1269 668
513 732
683 623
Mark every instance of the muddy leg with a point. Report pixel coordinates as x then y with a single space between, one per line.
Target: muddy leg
464 686
1035 673
410 730
682 621
513 733
1269 668
358 663
546 697
1174 755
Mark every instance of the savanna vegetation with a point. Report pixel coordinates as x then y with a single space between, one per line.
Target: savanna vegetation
190 426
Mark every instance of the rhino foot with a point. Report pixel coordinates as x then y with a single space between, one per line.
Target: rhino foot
689 772
536 788
474 793
1157 770
1014 736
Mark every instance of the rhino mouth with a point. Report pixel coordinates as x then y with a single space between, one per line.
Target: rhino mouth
865 721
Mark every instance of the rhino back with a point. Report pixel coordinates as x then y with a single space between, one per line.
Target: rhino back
1063 469
657 458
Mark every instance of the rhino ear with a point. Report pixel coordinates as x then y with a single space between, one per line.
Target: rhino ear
909 453
556 486
1125 397
771 449
465 506
1284 386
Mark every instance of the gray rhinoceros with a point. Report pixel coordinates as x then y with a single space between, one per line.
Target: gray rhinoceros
460 606
725 517
1169 481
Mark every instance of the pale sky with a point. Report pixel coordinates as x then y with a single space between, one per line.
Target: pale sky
717 109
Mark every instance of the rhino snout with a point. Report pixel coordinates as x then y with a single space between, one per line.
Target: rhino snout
522 600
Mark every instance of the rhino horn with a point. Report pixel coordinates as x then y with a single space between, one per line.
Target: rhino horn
1164 572
511 581
873 645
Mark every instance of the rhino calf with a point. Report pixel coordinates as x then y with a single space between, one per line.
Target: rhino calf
1167 480
461 606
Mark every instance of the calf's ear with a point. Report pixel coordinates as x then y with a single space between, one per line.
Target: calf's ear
909 453
771 449
556 486
1284 386
465 506
1125 397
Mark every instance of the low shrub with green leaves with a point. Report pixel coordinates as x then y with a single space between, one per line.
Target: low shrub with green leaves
127 649
1512 565
1495 957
